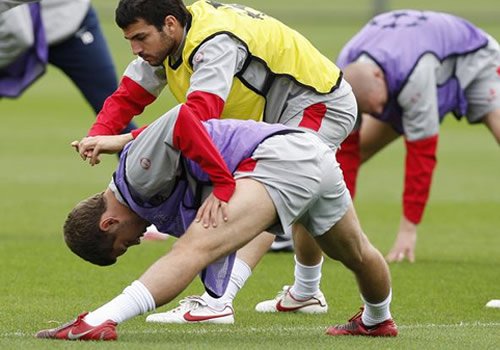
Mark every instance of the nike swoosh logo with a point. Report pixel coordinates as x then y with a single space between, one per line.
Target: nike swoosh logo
282 308
193 318
72 336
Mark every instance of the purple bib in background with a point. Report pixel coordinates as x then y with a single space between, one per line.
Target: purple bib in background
20 74
397 40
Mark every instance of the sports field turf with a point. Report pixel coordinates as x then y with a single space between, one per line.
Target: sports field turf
439 302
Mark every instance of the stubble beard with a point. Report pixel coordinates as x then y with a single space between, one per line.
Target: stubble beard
168 48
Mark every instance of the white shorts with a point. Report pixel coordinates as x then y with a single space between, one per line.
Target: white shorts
339 119
479 73
303 179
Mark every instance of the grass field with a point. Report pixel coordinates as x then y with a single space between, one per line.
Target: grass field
438 301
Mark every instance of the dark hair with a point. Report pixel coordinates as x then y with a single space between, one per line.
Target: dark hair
83 235
151 11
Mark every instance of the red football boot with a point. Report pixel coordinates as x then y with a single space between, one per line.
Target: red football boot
356 327
79 330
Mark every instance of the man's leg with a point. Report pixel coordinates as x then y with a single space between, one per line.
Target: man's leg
368 137
219 310
250 212
346 243
253 252
374 135
492 121
85 58
246 259
304 296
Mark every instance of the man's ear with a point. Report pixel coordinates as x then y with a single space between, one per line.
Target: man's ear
170 23
106 223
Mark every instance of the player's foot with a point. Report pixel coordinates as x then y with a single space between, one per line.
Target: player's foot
194 310
355 326
286 302
282 244
79 330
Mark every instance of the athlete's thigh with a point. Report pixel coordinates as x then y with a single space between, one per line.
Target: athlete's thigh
373 136
481 78
291 167
85 58
345 240
250 211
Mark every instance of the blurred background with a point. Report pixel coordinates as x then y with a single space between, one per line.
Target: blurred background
330 23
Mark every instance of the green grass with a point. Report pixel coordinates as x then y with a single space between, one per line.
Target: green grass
438 302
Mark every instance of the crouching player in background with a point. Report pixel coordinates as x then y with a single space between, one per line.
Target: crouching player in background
408 70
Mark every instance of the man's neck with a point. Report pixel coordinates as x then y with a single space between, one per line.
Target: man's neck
182 41
115 203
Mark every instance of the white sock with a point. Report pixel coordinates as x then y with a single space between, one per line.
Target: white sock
307 280
376 313
240 274
134 300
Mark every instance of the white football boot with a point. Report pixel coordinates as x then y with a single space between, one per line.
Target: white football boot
282 243
194 310
286 302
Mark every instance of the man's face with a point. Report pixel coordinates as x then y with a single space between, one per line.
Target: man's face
128 234
150 44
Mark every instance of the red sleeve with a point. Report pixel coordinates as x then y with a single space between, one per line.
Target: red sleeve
192 139
136 132
420 164
203 105
121 107
349 158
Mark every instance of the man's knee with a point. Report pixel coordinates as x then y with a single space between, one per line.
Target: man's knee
346 242
346 248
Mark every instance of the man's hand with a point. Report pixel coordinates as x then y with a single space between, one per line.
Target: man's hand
91 147
404 247
211 210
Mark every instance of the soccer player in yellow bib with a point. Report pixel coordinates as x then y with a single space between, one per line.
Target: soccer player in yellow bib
231 61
